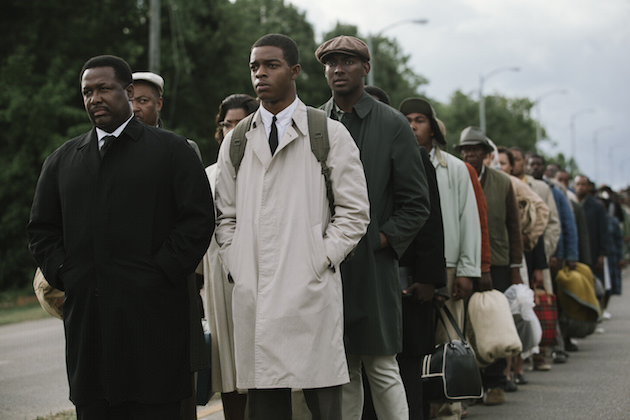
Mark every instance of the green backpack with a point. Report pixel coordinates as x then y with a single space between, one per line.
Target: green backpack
317 133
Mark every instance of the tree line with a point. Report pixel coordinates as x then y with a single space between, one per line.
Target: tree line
204 48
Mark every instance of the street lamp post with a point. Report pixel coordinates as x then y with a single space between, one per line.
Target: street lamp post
154 37
370 39
622 172
482 102
572 128
537 105
595 154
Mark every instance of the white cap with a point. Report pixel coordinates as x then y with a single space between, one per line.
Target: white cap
154 79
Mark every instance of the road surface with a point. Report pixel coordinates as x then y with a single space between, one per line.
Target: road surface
594 384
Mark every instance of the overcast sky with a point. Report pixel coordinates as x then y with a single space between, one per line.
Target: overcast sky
581 46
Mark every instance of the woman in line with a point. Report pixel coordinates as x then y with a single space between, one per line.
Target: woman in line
217 293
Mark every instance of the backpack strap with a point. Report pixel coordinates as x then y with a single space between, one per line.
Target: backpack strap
239 141
320 146
318 135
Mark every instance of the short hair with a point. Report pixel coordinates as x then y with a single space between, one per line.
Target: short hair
508 153
379 93
517 149
535 156
583 176
121 68
235 101
287 45
553 169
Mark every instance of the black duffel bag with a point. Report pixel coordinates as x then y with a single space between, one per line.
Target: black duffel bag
451 372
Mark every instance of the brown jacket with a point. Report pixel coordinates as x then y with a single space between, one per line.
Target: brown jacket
504 226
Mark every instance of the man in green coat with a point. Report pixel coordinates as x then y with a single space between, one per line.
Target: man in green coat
399 206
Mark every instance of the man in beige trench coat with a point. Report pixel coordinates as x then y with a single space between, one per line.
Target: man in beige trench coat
283 248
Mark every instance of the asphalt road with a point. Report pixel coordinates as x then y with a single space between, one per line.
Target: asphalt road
33 378
594 384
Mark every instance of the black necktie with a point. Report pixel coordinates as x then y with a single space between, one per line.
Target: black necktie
273 136
107 141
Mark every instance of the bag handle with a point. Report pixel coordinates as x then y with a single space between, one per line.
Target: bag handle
540 293
452 321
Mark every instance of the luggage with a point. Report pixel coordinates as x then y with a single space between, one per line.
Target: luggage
491 329
451 372
577 297
547 312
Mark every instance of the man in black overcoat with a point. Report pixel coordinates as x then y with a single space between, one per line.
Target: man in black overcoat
121 216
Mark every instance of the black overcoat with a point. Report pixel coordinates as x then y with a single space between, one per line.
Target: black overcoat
120 235
425 262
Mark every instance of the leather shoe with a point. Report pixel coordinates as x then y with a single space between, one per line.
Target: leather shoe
494 396
559 357
520 379
510 386
540 364
569 346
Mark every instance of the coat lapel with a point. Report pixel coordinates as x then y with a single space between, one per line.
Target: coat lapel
257 140
88 150
133 130
289 135
298 126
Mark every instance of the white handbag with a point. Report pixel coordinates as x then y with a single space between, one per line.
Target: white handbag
490 327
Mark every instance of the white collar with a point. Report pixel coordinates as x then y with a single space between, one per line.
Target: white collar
283 118
102 133
483 171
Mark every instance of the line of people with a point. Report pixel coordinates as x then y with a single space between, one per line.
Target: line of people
336 235
484 230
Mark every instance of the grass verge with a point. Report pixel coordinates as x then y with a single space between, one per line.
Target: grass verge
27 312
64 415
20 305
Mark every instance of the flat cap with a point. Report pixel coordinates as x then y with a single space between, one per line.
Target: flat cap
422 106
472 136
154 79
343 44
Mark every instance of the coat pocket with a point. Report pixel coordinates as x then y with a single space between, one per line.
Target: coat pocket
319 259
230 265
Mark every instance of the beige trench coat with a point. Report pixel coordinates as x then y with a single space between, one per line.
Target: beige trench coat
217 299
276 241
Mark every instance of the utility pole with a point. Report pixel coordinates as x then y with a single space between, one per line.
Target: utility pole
572 128
154 37
596 149
482 100
370 44
537 105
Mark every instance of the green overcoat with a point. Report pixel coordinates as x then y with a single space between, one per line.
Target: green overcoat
399 206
